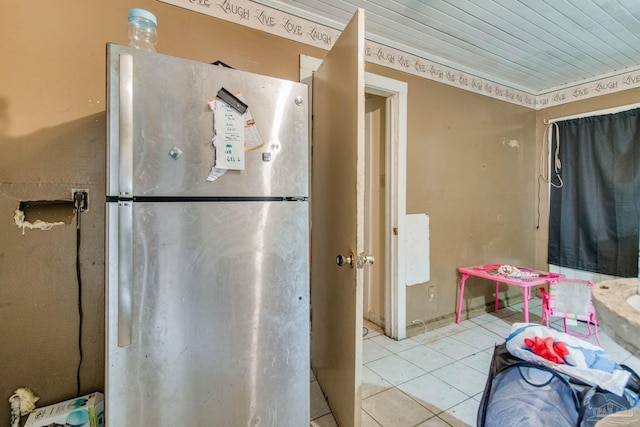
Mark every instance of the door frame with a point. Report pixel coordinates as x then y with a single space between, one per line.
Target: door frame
395 92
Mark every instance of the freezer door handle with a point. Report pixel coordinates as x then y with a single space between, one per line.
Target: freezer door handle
126 126
125 272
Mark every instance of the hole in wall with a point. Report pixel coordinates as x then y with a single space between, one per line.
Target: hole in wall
43 214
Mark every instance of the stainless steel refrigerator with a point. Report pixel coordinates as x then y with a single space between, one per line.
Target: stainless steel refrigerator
207 260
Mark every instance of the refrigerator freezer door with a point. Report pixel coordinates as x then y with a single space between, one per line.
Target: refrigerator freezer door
160 129
220 316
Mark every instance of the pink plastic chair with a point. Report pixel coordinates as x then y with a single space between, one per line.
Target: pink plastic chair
570 299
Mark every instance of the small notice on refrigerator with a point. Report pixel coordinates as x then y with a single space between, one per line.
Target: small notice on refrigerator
250 136
229 140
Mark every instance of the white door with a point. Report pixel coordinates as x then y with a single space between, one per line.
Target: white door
337 199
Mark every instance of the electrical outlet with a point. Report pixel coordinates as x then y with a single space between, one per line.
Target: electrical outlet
80 199
432 293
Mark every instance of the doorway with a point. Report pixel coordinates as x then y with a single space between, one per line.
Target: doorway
389 98
393 93
375 208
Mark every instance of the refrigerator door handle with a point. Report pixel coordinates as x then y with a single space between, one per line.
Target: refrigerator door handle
126 126
125 272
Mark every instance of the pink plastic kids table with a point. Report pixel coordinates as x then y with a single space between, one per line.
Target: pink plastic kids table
490 271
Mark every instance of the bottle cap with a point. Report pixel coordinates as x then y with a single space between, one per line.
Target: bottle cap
141 13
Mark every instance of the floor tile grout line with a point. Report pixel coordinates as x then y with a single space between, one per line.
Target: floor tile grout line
397 386
408 361
398 353
436 414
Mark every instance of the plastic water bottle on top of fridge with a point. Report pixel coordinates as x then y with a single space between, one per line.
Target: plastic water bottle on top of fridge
142 30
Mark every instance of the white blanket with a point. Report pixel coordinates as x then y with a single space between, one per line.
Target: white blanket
585 361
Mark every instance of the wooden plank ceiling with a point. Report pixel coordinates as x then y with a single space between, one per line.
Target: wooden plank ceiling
535 46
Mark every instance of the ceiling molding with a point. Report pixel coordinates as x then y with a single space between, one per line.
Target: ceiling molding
276 22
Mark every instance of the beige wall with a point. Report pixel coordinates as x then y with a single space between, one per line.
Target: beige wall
470 162
471 167
52 139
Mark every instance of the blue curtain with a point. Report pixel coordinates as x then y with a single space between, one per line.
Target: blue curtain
593 217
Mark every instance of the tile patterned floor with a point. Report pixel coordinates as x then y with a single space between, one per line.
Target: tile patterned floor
436 379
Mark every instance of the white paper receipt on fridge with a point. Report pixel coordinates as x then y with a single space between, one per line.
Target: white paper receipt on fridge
235 134
229 136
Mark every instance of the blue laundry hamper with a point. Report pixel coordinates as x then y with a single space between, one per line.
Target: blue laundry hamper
524 394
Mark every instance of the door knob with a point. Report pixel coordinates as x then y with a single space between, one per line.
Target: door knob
364 259
342 260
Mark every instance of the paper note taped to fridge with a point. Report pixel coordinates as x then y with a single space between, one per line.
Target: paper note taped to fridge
228 125
234 135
